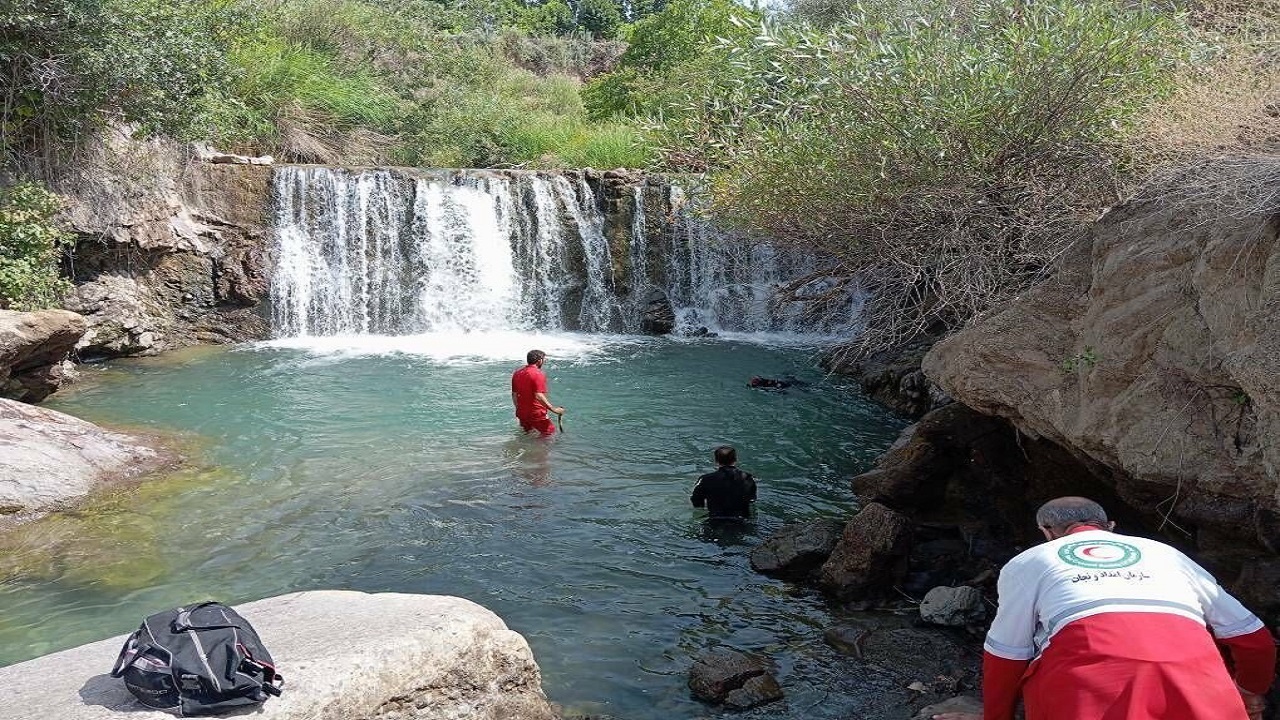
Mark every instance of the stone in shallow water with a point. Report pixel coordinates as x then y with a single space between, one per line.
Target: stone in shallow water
953 606
736 679
798 549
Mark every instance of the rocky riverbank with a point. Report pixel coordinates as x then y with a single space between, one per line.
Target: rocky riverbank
343 654
1143 374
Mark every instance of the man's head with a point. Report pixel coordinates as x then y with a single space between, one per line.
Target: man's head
1061 515
535 357
726 455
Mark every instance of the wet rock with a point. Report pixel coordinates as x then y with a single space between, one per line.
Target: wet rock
958 704
51 458
759 690
870 555
953 606
658 317
931 655
847 638
33 350
737 679
797 549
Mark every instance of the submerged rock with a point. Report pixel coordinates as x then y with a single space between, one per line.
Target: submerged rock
736 679
51 458
33 352
343 654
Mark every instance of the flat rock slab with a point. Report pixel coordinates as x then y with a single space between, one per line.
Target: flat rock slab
51 457
344 655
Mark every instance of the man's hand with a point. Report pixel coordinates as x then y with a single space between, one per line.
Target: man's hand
1254 704
558 410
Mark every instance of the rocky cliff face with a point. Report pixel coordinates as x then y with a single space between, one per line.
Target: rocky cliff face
169 252
1153 357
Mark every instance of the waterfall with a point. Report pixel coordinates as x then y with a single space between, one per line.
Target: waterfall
399 252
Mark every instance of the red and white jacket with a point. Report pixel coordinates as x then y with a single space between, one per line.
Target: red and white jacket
1091 573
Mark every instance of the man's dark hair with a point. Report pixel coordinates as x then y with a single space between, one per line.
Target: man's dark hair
534 356
726 455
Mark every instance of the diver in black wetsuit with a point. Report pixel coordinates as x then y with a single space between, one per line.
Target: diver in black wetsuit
727 493
778 384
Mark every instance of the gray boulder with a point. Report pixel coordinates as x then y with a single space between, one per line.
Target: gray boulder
343 654
33 352
953 606
51 458
796 550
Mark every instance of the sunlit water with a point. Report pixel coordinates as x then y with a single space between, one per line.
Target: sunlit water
398 467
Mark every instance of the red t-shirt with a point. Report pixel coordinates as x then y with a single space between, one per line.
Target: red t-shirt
524 383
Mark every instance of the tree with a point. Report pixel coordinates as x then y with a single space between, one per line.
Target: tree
601 18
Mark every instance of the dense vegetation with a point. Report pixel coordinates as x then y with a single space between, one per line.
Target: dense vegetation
940 154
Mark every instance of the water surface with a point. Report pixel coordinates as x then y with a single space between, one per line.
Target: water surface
379 470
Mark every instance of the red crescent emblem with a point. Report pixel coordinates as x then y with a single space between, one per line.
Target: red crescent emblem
1089 551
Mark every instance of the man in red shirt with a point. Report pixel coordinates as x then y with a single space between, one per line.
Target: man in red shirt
529 395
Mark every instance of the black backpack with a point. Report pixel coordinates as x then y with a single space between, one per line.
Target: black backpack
195 660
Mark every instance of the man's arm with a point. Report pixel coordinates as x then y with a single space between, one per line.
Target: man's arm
1252 648
699 496
545 402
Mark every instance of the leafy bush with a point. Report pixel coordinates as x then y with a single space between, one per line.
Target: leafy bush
30 246
662 50
942 154
72 64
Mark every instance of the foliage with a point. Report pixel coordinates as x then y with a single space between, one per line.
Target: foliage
942 155
663 54
73 64
30 245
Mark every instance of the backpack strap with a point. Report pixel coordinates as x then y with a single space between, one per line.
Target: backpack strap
126 656
182 622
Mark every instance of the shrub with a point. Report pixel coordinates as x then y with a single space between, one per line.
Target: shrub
73 64
943 155
30 246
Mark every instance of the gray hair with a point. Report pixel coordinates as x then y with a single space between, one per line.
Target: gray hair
1064 511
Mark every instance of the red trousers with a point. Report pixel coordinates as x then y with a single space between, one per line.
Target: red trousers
1131 666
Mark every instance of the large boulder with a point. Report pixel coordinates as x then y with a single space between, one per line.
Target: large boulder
33 349
797 549
343 655
953 606
870 555
1153 354
51 458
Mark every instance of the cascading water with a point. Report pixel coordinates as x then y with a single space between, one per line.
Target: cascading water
388 252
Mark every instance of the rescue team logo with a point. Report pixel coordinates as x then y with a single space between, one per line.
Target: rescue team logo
1099 554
